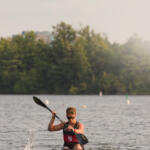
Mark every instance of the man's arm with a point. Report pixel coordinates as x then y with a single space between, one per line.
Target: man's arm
80 129
52 127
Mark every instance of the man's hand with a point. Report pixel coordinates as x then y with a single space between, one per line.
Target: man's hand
69 128
53 115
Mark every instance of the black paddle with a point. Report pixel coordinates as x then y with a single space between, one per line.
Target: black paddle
39 102
81 138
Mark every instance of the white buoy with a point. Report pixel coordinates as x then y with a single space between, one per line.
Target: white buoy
84 106
100 93
128 102
46 102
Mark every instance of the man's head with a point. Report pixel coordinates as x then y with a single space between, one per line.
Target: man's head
71 113
71 110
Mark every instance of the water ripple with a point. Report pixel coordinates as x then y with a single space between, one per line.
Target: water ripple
110 124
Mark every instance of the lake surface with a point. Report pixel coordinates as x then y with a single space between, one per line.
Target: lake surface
110 123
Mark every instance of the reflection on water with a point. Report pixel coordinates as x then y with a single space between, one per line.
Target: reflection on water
110 123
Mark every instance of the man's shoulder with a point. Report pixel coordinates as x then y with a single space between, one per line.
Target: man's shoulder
80 124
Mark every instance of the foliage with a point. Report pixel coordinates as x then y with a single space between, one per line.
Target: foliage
74 62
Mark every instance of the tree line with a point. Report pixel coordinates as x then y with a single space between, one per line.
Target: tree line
74 62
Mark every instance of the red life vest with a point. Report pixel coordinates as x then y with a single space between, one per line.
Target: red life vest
69 136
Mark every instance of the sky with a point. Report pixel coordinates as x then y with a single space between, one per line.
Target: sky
118 19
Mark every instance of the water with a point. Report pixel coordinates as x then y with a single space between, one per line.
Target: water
110 122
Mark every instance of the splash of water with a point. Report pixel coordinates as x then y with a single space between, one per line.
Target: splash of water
30 141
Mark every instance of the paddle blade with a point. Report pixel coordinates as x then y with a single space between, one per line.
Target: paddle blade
39 102
82 139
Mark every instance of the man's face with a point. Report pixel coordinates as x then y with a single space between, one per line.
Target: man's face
71 117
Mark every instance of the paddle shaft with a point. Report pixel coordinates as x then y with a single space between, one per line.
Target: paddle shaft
39 102
55 115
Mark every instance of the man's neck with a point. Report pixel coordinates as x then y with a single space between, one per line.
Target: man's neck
73 123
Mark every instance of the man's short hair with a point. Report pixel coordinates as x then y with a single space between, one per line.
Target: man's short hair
71 110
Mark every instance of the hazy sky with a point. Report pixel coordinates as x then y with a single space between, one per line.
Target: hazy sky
119 19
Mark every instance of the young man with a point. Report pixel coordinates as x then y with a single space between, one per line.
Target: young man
69 129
